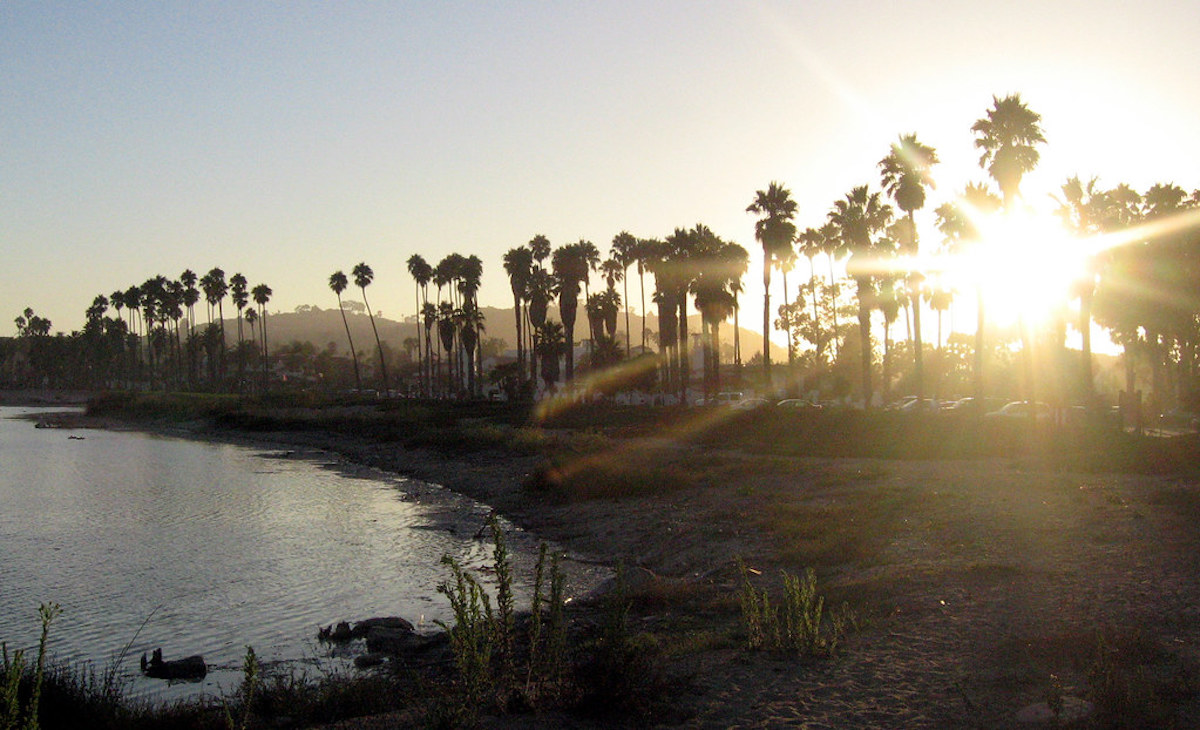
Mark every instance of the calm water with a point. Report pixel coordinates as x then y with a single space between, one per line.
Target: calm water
213 547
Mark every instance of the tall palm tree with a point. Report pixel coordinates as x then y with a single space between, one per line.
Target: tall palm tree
518 264
1007 135
421 272
1083 209
338 283
240 298
907 171
429 316
363 276
261 294
570 266
775 231
215 292
811 243
859 218
624 251
541 290
957 222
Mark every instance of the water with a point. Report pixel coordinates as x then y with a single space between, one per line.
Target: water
204 548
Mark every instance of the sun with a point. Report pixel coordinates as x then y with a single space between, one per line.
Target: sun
1024 265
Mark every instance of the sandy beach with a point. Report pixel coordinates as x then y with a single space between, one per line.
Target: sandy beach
986 592
983 587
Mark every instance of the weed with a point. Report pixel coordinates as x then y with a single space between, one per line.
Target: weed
250 684
800 624
14 670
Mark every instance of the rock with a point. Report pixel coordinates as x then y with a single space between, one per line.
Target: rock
396 642
340 632
192 667
364 627
369 661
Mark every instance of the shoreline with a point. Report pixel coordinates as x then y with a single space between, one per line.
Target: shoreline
979 584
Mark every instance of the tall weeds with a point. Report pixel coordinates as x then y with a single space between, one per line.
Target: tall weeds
483 639
799 625
14 670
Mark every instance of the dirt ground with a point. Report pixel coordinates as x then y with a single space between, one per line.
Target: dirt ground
985 590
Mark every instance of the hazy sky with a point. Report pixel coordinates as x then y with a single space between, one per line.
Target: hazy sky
288 140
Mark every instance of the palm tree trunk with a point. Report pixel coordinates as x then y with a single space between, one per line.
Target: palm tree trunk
766 321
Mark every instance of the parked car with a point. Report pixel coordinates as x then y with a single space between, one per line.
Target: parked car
926 405
727 398
1179 419
1022 409
798 404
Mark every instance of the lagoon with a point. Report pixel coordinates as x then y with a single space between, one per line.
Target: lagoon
153 541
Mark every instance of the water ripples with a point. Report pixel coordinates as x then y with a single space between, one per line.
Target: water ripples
206 548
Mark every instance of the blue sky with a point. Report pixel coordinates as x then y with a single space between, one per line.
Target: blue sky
288 140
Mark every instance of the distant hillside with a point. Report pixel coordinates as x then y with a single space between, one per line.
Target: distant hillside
322 326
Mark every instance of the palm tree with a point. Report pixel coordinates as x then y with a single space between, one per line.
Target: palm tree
518 264
470 322
570 266
625 252
422 273
859 217
1083 209
719 267
363 276
261 295
215 291
775 231
338 283
956 221
429 316
1007 135
541 290
239 297
906 174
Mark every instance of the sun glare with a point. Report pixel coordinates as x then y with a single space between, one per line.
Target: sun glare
1025 265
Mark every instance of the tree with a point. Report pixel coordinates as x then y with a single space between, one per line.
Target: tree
907 171
570 266
215 289
421 272
1007 135
338 283
551 344
240 298
518 264
775 231
363 276
957 222
859 217
625 252
261 295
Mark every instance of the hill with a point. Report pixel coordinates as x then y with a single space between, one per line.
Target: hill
324 326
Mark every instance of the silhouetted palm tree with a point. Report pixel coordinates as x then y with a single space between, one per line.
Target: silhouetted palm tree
338 283
518 264
570 265
421 272
363 276
859 218
625 252
775 231
261 295
1007 135
907 171
957 222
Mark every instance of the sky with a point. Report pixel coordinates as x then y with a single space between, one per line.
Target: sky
288 140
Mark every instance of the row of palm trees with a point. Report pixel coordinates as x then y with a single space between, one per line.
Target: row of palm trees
152 334
882 251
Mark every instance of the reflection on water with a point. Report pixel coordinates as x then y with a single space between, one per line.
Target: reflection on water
205 548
